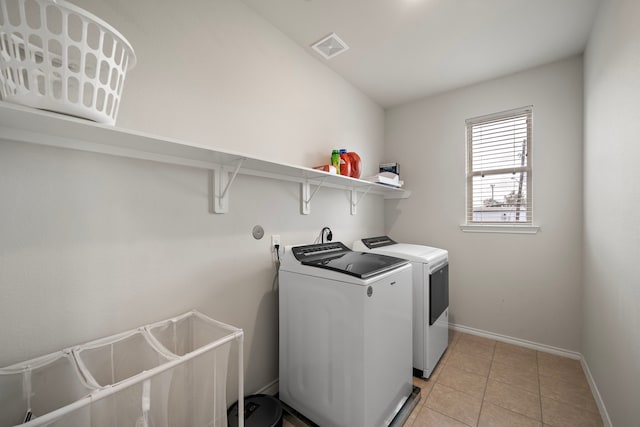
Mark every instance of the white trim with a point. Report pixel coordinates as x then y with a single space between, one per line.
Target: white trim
501 115
546 349
606 420
271 389
508 229
517 341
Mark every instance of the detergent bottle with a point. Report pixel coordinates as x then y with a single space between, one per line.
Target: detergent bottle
345 163
356 164
335 160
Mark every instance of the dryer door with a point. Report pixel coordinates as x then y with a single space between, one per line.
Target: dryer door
438 293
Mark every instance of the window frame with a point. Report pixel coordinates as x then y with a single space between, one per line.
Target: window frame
499 226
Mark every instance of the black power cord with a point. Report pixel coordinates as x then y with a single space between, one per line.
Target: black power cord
329 234
276 278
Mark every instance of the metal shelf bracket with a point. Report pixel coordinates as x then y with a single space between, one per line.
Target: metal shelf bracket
221 180
305 197
355 200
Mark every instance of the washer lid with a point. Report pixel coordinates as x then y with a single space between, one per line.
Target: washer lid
415 253
337 257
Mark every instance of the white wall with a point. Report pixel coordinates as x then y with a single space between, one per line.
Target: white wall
611 205
91 245
522 286
214 72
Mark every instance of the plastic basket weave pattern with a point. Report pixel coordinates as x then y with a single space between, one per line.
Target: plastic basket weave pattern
56 56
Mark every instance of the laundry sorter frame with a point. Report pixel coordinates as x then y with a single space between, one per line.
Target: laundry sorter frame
172 359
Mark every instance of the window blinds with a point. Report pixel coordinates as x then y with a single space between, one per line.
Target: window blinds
499 168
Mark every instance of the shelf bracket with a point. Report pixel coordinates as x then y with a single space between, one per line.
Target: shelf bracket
355 200
221 180
305 197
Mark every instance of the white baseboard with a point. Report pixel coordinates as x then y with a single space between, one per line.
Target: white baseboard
517 341
271 389
596 394
546 349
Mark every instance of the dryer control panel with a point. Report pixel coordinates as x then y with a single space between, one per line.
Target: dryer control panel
378 242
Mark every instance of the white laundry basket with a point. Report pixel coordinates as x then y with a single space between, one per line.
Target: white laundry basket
56 56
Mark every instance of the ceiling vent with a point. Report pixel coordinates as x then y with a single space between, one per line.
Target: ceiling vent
330 46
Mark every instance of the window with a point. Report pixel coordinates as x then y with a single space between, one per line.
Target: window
499 169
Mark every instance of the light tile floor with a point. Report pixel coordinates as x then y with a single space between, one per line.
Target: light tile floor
481 382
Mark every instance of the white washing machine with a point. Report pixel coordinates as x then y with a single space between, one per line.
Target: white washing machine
430 297
345 335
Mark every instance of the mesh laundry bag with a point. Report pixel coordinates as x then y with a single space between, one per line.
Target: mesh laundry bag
188 332
120 358
41 386
127 380
198 389
140 403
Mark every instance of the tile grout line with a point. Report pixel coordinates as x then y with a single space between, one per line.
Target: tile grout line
539 386
437 380
453 344
539 375
572 405
509 384
512 411
486 385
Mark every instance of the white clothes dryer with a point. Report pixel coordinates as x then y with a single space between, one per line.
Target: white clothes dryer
430 297
345 335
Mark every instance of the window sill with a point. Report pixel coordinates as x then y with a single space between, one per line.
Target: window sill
495 228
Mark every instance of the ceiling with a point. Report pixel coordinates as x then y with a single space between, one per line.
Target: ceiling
402 50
